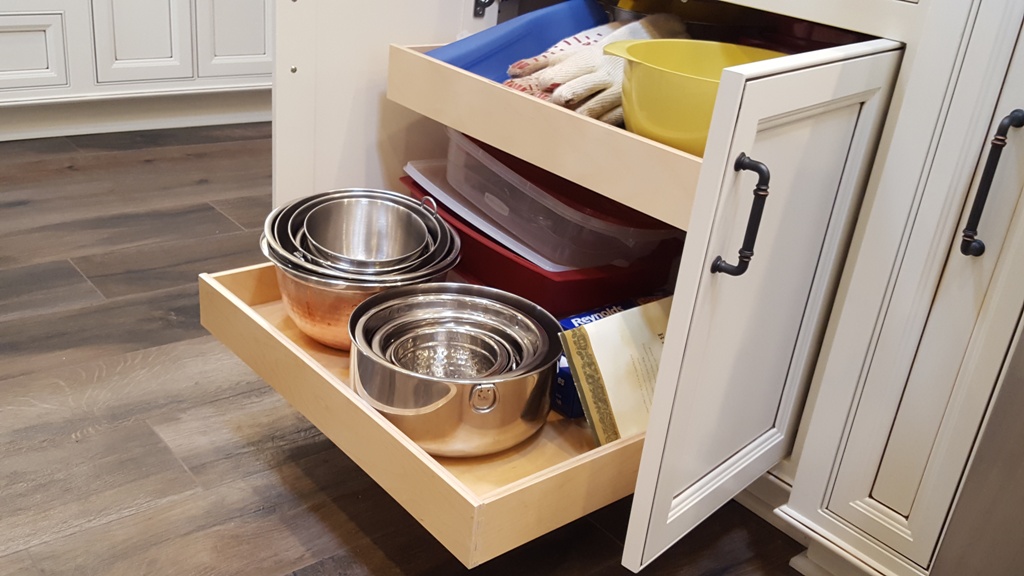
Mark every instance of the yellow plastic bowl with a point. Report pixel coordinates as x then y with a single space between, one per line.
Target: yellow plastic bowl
669 88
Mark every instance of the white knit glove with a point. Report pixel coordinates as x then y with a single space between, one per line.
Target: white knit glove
519 73
588 81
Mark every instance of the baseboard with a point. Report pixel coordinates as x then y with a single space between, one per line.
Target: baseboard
762 498
94 116
807 567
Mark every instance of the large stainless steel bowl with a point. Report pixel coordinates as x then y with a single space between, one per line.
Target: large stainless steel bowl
449 415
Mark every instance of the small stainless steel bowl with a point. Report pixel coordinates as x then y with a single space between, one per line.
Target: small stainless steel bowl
457 417
525 337
389 342
447 350
311 255
365 233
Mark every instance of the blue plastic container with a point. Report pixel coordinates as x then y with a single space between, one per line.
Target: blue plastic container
489 53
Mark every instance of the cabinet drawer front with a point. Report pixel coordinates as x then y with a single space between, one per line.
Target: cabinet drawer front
32 52
477 507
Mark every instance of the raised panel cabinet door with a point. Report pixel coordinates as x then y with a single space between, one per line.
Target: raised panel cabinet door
32 53
142 39
923 401
740 349
233 37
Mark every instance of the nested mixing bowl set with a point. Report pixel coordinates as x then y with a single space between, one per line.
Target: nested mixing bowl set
463 370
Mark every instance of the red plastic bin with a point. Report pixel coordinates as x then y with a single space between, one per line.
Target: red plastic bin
486 262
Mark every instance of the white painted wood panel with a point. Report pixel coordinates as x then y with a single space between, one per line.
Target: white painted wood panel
914 428
32 51
233 37
740 350
938 124
142 39
985 531
333 125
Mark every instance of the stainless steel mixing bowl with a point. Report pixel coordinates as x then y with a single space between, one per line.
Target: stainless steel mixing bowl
283 225
319 306
449 350
453 416
523 334
365 234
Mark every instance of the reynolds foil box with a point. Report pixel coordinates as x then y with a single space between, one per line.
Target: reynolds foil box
564 398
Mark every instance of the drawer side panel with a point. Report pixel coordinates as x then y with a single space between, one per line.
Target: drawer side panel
418 483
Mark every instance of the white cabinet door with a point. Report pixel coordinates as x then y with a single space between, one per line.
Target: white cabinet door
921 408
740 349
233 37
142 39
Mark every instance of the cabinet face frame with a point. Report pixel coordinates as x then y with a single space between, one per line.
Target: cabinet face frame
882 243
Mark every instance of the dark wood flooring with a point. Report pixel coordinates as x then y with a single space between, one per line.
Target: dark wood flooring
132 442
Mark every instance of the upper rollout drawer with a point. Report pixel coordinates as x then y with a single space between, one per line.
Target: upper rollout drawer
656 179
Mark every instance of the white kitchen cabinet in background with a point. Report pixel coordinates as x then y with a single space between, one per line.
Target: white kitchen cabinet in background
142 39
86 66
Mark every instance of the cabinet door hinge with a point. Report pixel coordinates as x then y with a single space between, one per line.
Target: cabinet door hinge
479 6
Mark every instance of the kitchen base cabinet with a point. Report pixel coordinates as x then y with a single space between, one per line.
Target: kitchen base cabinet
828 105
759 366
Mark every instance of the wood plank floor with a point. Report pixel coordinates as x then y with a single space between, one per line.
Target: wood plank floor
132 442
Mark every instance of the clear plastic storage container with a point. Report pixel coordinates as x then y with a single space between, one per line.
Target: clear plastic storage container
561 221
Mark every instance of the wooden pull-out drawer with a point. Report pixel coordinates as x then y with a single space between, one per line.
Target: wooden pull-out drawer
653 178
477 507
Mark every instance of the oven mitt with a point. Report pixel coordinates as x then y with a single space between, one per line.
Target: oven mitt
588 81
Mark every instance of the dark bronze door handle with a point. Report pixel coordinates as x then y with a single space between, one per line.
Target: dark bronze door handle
970 245
745 162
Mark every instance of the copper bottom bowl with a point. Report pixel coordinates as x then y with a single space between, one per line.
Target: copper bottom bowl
321 313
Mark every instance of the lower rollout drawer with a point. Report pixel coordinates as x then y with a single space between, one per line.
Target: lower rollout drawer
477 507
